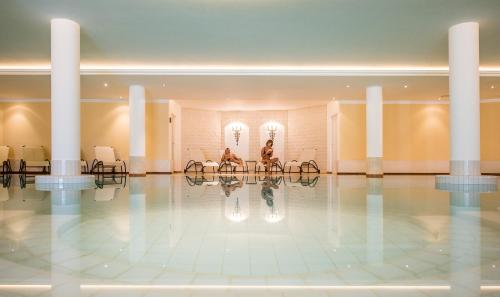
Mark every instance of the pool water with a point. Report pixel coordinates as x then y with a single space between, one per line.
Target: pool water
176 235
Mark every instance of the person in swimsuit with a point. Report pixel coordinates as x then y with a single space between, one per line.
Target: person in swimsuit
266 153
230 157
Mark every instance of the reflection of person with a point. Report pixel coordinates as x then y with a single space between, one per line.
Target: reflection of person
266 154
230 185
227 156
267 191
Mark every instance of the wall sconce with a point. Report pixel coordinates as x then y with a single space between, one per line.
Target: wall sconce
271 130
236 128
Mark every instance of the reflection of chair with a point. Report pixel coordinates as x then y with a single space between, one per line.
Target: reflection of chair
105 158
306 159
34 157
302 181
201 180
101 181
4 190
84 166
108 190
197 159
275 167
4 158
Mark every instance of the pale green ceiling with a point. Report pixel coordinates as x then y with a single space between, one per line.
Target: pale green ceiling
334 32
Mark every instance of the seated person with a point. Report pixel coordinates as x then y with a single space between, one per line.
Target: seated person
230 157
266 154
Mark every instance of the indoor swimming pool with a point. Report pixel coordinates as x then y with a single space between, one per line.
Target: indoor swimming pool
315 235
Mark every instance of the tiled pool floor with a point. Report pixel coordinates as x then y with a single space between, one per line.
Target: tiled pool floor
171 235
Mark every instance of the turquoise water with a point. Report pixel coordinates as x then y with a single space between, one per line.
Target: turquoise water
247 236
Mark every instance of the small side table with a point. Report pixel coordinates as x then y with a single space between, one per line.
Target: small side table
254 168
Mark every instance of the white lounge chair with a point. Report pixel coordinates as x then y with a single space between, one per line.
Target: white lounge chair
198 161
105 158
4 158
34 157
306 159
234 167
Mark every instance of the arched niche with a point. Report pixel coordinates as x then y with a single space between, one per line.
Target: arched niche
276 131
241 147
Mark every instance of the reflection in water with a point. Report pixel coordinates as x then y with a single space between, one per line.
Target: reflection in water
65 237
275 210
237 202
375 221
109 188
465 242
169 230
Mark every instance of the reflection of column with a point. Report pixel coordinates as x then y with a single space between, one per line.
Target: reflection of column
374 221
65 222
465 239
137 212
175 212
374 129
333 212
137 113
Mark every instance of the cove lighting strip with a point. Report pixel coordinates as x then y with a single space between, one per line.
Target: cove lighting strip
87 69
245 287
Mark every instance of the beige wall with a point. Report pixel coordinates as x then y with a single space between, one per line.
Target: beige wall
26 123
307 129
416 137
102 123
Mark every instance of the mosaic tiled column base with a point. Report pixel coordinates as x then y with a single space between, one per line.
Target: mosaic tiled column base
374 167
65 172
137 166
465 173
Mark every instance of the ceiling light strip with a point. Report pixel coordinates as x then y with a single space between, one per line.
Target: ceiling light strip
244 71
26 286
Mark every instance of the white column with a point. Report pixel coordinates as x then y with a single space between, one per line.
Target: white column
137 112
464 99
65 104
374 129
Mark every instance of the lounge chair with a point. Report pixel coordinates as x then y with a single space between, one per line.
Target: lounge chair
105 158
306 159
233 167
275 167
199 162
4 158
34 157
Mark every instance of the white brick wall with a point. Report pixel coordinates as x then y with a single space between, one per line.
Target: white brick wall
307 129
304 128
201 129
254 119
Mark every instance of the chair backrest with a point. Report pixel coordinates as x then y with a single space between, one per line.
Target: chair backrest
307 155
33 153
4 153
104 153
197 155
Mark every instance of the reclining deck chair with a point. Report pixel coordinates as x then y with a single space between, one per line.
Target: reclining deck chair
4 158
275 167
233 167
34 157
199 162
306 159
105 158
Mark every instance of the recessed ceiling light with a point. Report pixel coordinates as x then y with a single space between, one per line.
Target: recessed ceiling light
492 86
164 85
105 84
405 86
121 97
348 86
439 98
